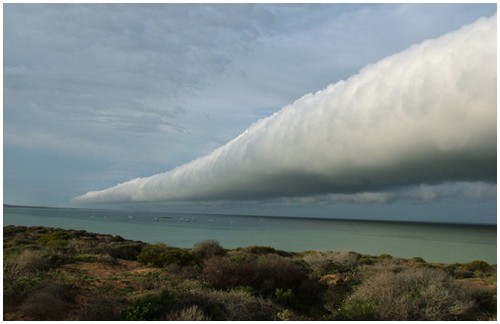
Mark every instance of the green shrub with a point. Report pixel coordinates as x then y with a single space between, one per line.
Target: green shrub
472 269
260 250
355 310
161 255
153 307
366 260
16 284
54 236
19 241
477 266
125 250
285 297
11 230
418 260
385 257
86 258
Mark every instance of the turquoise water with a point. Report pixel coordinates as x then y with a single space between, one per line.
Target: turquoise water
446 243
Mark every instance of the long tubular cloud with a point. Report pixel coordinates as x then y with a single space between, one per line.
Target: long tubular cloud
425 115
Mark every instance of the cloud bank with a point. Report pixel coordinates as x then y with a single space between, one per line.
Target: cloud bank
426 115
471 191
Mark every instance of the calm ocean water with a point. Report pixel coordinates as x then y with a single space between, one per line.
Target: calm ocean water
446 243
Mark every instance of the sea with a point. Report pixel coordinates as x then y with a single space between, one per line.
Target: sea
443 243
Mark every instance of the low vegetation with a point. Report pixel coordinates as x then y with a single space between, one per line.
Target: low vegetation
55 274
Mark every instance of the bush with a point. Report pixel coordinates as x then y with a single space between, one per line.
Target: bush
327 267
241 306
56 237
414 294
274 272
101 308
29 261
260 250
125 250
152 307
86 258
477 266
48 301
355 310
160 255
193 313
418 260
222 273
16 284
220 305
268 275
208 249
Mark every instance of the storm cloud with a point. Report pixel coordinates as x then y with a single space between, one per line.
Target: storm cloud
425 116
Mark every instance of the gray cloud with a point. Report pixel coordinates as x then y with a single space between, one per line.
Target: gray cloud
118 64
469 191
425 115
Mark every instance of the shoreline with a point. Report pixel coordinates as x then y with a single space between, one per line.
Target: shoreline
57 274
83 231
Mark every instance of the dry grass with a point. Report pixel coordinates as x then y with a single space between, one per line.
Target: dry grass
416 293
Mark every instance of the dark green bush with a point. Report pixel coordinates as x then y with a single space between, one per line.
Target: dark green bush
154 307
259 250
161 255
125 251
19 241
56 235
56 239
285 297
418 260
86 258
355 310
366 260
11 230
385 257
477 265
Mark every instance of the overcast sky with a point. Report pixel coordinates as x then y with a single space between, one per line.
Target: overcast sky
96 95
